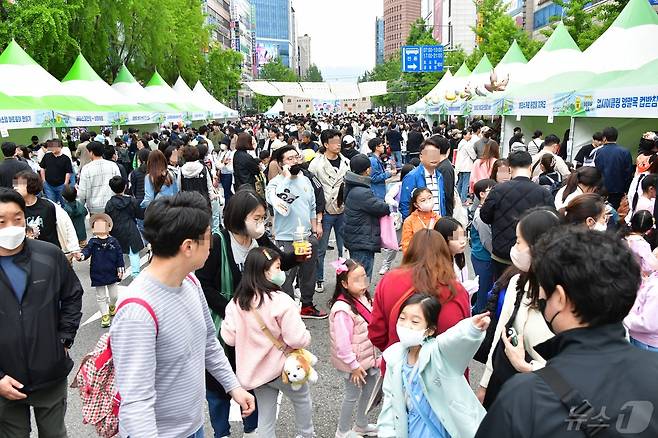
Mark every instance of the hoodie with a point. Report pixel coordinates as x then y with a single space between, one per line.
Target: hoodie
124 210
362 212
194 177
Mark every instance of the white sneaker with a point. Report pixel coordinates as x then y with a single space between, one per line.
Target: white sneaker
348 434
369 430
253 434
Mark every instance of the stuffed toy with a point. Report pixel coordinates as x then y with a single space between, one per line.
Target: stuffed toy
298 369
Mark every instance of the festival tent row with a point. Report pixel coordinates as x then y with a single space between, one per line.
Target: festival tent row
30 97
319 90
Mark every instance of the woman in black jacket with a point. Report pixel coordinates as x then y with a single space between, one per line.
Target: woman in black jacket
244 221
246 168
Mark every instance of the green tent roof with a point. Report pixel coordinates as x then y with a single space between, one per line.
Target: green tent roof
463 71
560 39
14 54
484 66
636 13
156 80
645 75
124 76
81 71
514 55
9 103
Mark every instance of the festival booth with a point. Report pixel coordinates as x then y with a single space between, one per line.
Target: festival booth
215 108
433 96
275 109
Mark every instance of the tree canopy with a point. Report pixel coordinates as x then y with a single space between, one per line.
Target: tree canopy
313 74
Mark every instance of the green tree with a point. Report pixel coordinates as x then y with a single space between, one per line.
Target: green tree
313 74
272 71
581 24
221 73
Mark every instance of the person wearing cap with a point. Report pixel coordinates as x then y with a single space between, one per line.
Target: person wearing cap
348 148
106 267
363 210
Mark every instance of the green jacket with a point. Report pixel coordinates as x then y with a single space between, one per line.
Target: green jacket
441 364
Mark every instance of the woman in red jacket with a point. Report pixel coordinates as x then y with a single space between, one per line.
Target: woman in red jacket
426 267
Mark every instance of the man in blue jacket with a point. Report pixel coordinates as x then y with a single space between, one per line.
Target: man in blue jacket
425 175
378 172
616 165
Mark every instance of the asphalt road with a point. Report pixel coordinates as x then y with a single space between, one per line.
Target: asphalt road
327 393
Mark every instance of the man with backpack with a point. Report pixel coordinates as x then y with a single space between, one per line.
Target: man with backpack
164 339
551 146
40 302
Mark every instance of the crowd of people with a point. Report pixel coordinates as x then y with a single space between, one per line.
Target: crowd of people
558 302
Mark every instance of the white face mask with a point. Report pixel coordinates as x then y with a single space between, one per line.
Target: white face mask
598 226
11 237
426 205
410 337
255 229
521 259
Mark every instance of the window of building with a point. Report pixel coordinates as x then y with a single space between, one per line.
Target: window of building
543 16
289 100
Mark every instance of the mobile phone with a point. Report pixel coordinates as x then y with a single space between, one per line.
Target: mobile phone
511 333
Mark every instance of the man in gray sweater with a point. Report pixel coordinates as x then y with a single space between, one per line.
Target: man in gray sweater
162 347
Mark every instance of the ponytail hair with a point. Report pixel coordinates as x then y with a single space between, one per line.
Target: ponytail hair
582 207
588 176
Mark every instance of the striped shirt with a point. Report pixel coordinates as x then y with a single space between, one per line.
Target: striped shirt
431 183
161 379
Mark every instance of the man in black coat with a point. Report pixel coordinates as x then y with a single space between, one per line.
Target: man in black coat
40 303
11 165
506 203
594 379
414 140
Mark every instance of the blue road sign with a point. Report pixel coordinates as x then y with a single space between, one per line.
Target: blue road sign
416 59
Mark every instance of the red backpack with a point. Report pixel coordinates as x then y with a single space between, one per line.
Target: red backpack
95 381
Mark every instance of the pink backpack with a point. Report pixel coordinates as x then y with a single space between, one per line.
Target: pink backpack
95 381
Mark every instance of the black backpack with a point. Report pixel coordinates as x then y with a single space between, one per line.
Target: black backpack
197 184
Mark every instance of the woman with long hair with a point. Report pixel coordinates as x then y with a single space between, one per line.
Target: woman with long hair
246 169
426 267
584 180
158 181
484 165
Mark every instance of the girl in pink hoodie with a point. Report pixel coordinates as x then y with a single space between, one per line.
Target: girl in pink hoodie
352 353
258 362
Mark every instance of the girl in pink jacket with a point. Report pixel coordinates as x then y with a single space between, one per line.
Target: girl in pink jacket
352 353
259 363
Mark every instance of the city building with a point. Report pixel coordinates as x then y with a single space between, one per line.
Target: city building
379 41
300 105
427 13
399 15
294 59
243 27
273 32
303 55
453 22
218 16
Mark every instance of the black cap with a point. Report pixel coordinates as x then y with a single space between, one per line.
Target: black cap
359 164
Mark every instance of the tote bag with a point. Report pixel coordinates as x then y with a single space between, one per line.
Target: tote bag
388 235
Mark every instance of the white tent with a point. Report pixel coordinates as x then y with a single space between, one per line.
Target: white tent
206 100
275 110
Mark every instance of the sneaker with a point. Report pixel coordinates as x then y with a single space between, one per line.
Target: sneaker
106 321
113 310
311 312
369 430
348 434
319 286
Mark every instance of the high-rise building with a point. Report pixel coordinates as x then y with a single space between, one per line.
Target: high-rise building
243 26
453 22
273 31
218 15
379 41
303 55
398 18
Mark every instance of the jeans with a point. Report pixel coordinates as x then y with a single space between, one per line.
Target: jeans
197 434
329 222
266 396
306 272
366 258
226 180
485 272
49 405
219 408
462 185
643 346
54 193
354 394
397 156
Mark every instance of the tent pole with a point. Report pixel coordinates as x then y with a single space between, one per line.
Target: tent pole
572 132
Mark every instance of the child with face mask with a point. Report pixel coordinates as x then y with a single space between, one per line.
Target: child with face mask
259 305
352 353
106 267
425 394
421 215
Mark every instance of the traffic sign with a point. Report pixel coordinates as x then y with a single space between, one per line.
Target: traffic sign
416 59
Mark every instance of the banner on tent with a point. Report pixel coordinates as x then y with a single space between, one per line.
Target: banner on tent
532 106
20 119
61 120
626 102
327 106
482 108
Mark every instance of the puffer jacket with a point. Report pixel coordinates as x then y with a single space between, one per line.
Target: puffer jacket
362 212
504 206
361 346
33 332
